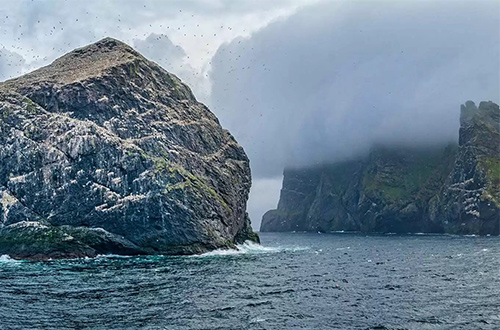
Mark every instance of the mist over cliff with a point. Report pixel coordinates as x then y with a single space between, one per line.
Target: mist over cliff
320 83
327 83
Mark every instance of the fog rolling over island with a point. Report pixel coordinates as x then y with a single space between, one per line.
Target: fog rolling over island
448 189
335 79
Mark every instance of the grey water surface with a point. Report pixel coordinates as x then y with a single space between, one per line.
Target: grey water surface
295 281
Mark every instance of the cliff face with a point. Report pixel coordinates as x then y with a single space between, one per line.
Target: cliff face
470 201
386 192
449 189
104 151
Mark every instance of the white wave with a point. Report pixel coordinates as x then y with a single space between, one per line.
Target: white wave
219 252
245 248
6 258
249 248
112 256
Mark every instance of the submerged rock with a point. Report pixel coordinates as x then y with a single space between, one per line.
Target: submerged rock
103 151
436 190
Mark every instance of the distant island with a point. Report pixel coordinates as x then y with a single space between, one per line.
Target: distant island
103 151
441 189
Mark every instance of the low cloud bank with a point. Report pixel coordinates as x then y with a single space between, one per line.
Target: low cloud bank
11 64
327 83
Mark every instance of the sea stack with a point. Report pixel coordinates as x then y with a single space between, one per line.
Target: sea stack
103 151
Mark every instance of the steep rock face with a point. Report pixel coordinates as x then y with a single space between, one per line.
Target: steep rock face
448 189
386 192
470 201
110 151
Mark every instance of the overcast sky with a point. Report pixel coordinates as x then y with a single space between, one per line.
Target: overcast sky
296 82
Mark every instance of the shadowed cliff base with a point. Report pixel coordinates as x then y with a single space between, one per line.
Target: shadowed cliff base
103 151
452 189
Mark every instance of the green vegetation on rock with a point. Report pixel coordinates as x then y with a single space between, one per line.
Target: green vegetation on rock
492 167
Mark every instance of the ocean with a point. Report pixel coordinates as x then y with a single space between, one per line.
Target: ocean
292 281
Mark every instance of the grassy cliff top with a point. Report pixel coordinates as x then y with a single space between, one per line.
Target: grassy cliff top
81 64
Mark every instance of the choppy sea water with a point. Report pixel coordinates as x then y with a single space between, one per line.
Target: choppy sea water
295 281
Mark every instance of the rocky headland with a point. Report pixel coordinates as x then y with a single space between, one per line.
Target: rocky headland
444 189
103 151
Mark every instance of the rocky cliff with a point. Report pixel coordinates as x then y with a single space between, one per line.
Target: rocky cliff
103 151
470 200
452 189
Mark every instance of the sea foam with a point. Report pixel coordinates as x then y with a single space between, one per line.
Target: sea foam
7 259
248 248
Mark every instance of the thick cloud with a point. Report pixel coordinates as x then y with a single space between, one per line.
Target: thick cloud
41 31
264 196
173 58
330 81
11 64
162 49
